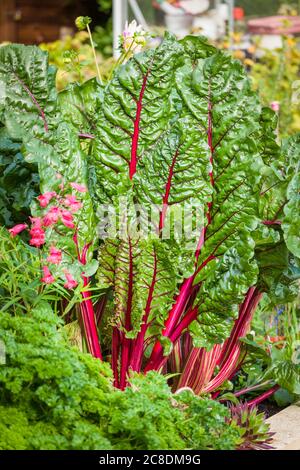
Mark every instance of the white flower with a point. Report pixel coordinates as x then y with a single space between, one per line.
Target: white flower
133 37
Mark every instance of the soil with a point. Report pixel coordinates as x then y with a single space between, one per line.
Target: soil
270 409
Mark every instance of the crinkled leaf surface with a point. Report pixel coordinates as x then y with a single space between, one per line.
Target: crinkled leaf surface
32 113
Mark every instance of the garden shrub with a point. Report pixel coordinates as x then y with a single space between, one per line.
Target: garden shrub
54 397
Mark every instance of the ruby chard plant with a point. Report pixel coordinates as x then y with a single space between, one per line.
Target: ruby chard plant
177 126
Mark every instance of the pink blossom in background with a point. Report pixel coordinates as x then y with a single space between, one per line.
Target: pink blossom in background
36 221
79 187
52 216
45 198
71 202
67 219
17 229
55 255
275 105
71 282
47 277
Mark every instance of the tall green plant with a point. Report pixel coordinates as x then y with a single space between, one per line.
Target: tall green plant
176 124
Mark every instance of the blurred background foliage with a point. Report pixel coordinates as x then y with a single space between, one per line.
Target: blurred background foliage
73 57
265 7
274 72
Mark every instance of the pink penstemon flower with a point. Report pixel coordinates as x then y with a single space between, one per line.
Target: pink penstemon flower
37 236
79 187
45 198
71 202
52 216
71 282
67 219
17 229
37 241
36 221
47 277
55 255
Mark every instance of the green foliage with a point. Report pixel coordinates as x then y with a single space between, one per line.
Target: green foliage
73 57
102 34
33 114
182 81
255 434
53 387
19 182
202 422
105 6
259 8
275 75
19 276
53 397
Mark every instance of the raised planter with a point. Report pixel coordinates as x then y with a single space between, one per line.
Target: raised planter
286 426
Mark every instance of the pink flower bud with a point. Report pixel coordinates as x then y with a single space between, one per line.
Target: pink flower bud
37 241
71 202
45 198
275 105
47 278
67 219
71 282
54 256
79 187
36 231
17 229
52 216
36 221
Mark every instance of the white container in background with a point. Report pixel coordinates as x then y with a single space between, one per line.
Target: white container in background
180 25
207 25
223 11
270 41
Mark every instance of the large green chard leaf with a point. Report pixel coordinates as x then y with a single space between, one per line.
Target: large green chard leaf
279 269
173 176
291 218
32 112
79 103
217 94
207 151
144 275
27 89
277 242
19 182
281 167
136 110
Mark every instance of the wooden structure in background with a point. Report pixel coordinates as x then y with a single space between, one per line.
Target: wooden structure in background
35 21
